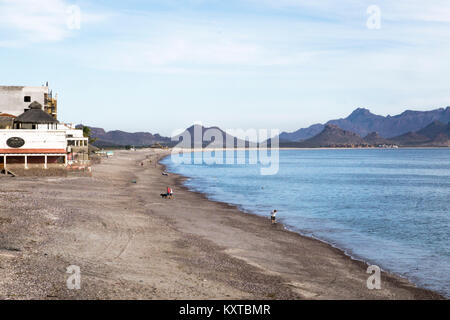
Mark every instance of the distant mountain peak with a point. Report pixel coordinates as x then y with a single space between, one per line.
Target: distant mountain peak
360 112
409 112
202 128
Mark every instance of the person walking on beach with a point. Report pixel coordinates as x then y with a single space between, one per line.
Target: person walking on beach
273 216
169 192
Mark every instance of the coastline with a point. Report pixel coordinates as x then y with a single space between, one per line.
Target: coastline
395 279
131 244
206 149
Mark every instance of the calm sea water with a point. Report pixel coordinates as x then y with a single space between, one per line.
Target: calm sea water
387 207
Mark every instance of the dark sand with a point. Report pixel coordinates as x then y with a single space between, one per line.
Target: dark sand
132 244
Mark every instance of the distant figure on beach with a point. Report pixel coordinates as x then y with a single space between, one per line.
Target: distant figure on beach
168 194
273 216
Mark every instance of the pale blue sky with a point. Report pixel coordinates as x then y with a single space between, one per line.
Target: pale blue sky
161 65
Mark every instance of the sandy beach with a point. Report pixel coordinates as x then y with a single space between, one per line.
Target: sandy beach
131 244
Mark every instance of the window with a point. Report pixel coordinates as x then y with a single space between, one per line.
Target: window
27 99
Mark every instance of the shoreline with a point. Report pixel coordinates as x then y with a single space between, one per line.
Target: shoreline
130 243
361 262
212 149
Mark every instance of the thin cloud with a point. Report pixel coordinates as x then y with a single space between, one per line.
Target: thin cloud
398 10
33 21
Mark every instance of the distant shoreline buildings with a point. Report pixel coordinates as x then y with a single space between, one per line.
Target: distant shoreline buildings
31 137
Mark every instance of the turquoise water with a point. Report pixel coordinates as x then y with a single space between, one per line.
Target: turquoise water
389 207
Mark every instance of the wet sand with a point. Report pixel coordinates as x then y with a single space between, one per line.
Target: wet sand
131 244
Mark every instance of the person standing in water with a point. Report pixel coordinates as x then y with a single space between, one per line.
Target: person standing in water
273 216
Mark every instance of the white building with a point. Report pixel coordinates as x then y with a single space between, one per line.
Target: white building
15 100
40 141
31 148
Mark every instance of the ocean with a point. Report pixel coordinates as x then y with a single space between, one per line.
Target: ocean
388 207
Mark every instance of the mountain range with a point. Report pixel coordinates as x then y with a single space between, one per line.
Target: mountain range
360 128
363 122
119 138
436 134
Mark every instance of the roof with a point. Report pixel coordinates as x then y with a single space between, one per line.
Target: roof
92 148
9 88
7 115
35 114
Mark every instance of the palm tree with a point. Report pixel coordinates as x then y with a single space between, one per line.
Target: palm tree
87 133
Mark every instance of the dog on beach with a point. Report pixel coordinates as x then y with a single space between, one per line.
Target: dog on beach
164 195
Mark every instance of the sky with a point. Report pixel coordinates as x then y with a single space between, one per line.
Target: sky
160 66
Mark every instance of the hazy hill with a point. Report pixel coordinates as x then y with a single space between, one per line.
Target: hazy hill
331 136
121 138
435 129
217 138
363 122
436 134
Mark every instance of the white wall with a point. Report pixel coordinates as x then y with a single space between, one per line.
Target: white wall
76 133
12 98
35 139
